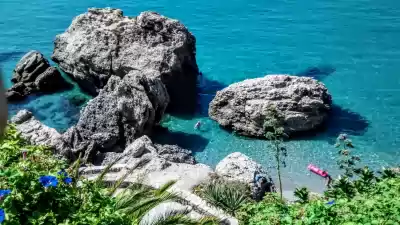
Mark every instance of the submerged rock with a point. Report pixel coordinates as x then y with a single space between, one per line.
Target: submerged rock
103 42
33 74
238 167
304 104
124 110
37 133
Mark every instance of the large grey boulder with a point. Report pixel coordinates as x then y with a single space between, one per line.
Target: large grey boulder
302 102
239 167
103 42
34 74
124 110
36 133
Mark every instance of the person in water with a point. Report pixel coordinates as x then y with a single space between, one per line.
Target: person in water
197 126
261 186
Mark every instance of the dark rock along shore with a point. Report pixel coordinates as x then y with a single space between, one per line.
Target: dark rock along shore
33 74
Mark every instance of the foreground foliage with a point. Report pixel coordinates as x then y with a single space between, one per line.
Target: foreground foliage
226 195
35 189
359 196
380 205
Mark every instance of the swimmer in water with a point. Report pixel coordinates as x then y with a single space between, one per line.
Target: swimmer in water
197 126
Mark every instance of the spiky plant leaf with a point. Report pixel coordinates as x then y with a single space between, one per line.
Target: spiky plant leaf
99 179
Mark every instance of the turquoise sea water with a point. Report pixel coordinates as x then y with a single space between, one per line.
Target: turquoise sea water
352 46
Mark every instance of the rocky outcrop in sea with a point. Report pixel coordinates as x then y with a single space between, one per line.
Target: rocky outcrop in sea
124 110
103 43
33 74
303 103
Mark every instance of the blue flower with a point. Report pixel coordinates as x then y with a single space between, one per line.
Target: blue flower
3 193
2 215
331 202
48 181
62 173
67 180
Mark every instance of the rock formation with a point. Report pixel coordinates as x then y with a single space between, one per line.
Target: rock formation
39 134
103 42
143 148
238 167
33 74
302 102
125 109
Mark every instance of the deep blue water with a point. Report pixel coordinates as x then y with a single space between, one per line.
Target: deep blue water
351 46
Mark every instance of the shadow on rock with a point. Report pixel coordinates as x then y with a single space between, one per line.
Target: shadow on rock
193 142
207 89
205 92
317 72
7 56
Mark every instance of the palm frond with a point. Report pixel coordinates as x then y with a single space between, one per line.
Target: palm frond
123 177
225 195
99 179
75 170
163 189
129 197
139 209
209 220
171 217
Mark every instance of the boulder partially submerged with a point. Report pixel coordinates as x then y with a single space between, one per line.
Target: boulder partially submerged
239 167
103 42
33 74
124 110
303 103
36 133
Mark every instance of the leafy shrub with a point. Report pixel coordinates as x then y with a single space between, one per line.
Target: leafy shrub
227 195
303 194
356 197
35 189
380 205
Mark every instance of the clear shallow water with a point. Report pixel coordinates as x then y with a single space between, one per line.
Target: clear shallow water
355 43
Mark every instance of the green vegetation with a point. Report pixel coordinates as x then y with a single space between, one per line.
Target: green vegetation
379 205
359 196
226 195
38 188
274 132
35 189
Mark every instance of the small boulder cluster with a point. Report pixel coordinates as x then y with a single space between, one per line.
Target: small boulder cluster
33 74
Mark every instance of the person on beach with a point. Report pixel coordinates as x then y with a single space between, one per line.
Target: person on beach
260 187
322 173
328 180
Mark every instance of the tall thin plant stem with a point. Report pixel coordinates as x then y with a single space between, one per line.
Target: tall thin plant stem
278 162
